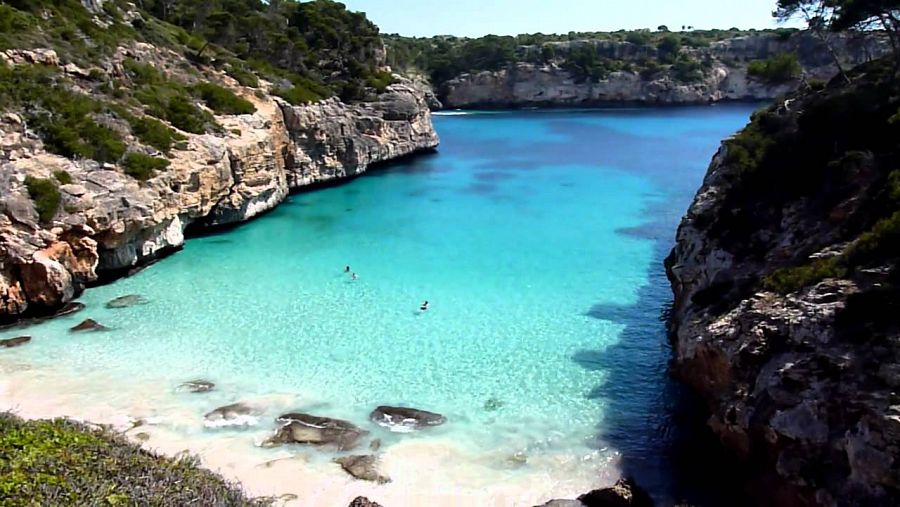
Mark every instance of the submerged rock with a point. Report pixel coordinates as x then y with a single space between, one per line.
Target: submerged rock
374 445
15 342
402 419
313 430
236 414
88 325
69 309
197 386
493 404
127 301
364 468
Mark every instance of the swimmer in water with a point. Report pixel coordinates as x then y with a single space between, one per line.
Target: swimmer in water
353 276
346 269
424 307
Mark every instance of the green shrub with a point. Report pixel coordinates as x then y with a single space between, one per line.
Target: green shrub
222 100
303 92
668 48
63 177
380 81
154 133
778 69
143 167
687 70
46 198
243 76
787 280
65 463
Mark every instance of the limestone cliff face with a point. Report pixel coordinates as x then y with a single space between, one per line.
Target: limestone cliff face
110 223
533 85
797 384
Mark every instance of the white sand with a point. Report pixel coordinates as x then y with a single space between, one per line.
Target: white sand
430 471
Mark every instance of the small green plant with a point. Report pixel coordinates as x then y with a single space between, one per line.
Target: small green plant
222 100
301 93
380 81
143 167
45 195
63 177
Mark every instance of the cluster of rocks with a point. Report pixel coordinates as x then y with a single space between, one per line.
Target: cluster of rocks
108 223
327 433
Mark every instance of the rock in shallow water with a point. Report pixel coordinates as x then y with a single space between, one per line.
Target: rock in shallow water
625 493
127 301
313 430
402 419
364 468
15 342
69 309
236 414
197 386
88 325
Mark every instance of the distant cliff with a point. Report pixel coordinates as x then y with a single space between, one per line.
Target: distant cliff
602 71
787 293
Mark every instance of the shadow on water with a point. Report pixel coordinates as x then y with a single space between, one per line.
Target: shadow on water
656 424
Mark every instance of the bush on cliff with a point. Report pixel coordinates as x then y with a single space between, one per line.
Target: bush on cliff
777 69
45 195
143 167
222 100
65 463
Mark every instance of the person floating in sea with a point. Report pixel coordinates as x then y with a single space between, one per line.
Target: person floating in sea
424 307
346 269
353 276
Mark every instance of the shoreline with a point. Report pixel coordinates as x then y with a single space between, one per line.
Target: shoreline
423 469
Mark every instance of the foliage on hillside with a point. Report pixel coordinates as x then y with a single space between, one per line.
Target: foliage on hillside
443 58
836 151
65 463
778 69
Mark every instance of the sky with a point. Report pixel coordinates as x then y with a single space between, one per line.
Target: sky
474 18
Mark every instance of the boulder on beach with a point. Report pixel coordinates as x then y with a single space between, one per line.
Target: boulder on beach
15 342
127 301
88 325
362 501
236 414
197 386
314 430
625 493
364 468
403 419
69 309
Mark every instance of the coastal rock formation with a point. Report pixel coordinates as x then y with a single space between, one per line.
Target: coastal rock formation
726 78
15 342
785 314
197 386
314 430
364 468
402 419
126 301
109 223
625 493
88 325
236 414
362 501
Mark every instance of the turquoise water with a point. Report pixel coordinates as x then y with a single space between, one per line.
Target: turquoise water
537 238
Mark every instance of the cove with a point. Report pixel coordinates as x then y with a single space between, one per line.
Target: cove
537 237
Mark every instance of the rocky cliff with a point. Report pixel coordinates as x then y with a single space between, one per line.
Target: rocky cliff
724 75
785 279
109 223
